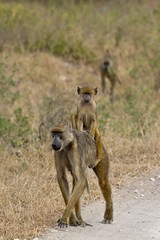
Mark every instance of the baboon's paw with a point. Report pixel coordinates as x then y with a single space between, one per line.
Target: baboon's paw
73 222
62 224
107 221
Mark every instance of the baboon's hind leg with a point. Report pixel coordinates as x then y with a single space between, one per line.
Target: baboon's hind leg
99 147
73 120
101 170
112 91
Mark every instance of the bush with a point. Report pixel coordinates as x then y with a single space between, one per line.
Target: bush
14 126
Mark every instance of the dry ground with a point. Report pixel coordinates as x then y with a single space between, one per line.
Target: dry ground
136 214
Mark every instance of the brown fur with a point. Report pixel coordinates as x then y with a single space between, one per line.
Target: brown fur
77 152
108 69
86 118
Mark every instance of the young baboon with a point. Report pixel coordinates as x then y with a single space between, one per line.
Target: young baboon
108 69
157 82
86 118
75 151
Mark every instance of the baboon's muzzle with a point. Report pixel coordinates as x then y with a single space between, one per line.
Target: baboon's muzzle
106 65
87 100
56 147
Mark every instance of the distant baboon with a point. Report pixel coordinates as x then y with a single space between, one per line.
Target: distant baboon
108 69
157 82
75 151
86 118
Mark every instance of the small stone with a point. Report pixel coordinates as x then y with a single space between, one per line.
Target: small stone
62 78
53 230
136 191
152 179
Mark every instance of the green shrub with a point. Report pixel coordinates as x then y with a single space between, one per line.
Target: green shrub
14 126
8 82
14 132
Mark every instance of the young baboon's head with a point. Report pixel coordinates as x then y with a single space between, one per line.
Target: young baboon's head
87 93
61 137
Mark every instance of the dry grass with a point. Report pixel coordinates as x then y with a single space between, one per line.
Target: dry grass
30 196
30 199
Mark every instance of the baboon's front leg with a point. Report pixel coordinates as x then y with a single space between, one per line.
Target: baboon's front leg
79 183
81 222
93 128
63 184
101 170
77 192
103 83
79 125
77 206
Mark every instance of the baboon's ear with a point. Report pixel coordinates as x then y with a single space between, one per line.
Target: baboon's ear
78 90
96 91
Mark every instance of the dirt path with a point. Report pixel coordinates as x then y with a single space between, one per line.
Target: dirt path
136 215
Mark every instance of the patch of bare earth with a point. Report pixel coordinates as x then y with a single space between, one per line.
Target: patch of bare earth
136 214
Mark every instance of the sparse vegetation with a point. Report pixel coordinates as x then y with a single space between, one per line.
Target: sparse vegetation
14 126
51 49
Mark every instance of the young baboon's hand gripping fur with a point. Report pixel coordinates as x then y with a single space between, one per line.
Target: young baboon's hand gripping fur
75 151
86 117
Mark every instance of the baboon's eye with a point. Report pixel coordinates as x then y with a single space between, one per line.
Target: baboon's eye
60 136
53 134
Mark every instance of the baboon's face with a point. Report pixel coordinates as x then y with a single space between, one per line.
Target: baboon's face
106 65
87 93
57 141
87 97
61 138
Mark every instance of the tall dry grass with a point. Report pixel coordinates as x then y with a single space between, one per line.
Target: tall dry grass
30 199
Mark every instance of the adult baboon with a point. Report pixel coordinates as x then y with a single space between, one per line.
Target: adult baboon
86 118
108 69
75 151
